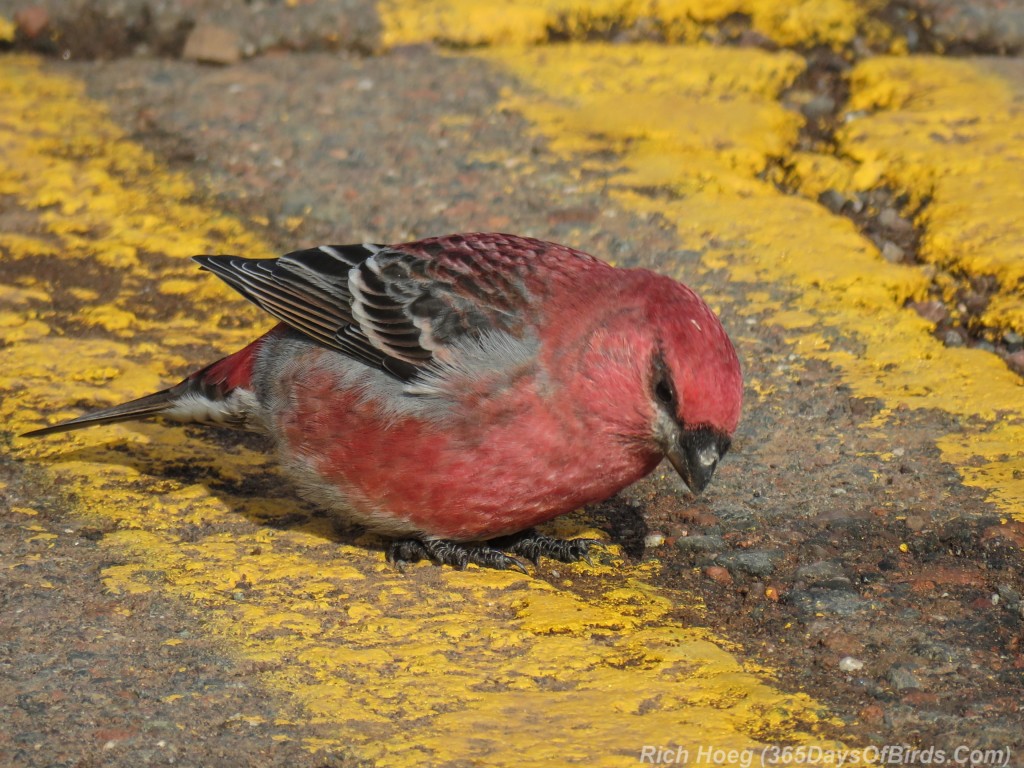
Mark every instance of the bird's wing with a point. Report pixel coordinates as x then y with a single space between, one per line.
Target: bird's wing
398 307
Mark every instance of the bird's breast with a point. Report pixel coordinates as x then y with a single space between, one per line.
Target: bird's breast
492 466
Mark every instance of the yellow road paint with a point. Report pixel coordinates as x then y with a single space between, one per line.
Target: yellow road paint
951 130
7 30
434 667
469 23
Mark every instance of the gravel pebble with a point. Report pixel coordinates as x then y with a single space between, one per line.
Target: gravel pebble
654 539
933 311
916 522
718 574
1008 595
850 664
823 570
753 562
953 339
903 678
892 252
32 21
211 44
829 601
891 219
818 107
701 544
1016 362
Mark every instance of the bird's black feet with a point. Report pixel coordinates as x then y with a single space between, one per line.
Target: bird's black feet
534 546
446 552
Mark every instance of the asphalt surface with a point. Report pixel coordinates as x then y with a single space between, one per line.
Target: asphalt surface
846 554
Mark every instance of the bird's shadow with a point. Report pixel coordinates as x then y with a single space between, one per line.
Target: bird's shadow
239 467
236 468
626 526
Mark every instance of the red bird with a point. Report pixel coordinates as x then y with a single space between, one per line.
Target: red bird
453 392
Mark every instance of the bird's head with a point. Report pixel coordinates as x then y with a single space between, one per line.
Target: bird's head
694 382
656 370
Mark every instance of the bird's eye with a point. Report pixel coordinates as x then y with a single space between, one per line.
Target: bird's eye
664 392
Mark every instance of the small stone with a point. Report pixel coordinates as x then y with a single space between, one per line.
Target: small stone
700 544
823 570
975 302
32 21
893 253
1009 595
953 339
833 199
829 601
985 346
753 562
212 44
842 643
922 586
1014 341
891 220
850 664
704 519
932 311
916 522
903 678
1016 362
872 713
820 106
718 574
933 650
654 539
887 216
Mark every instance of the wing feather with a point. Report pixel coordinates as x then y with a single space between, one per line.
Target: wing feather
400 307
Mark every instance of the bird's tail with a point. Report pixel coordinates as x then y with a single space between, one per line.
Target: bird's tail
150 405
220 394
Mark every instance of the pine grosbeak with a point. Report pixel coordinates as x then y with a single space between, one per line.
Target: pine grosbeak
453 392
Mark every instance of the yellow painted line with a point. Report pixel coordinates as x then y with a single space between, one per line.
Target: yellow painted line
951 129
469 22
699 123
7 30
435 667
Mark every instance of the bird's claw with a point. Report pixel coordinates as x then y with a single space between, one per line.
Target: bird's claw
447 552
492 554
533 545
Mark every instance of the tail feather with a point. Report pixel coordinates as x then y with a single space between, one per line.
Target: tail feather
150 405
219 394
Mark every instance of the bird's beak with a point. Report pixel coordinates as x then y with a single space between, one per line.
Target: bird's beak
695 454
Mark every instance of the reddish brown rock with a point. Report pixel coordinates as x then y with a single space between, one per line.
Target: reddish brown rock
718 574
211 44
32 21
